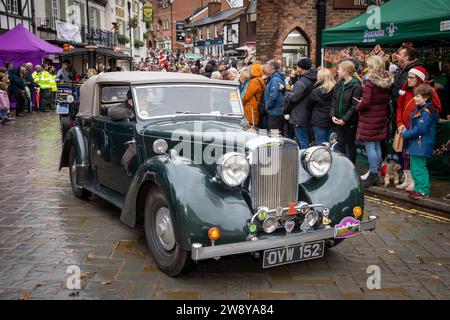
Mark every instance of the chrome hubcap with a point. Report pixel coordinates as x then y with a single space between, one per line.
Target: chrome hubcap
164 229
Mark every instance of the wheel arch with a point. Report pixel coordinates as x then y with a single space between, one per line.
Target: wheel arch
194 210
74 138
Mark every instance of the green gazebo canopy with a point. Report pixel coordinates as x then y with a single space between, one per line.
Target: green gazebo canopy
401 20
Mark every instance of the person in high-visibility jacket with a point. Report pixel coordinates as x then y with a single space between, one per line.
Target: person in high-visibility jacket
43 79
54 85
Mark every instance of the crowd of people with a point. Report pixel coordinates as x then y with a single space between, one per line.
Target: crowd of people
27 88
305 104
366 108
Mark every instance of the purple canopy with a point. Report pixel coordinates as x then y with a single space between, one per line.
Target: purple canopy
19 45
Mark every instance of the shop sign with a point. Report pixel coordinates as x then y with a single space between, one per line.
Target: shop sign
357 4
372 35
445 25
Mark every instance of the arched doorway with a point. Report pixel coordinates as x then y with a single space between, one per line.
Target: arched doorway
295 46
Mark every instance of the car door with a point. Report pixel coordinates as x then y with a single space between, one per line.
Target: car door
113 148
124 159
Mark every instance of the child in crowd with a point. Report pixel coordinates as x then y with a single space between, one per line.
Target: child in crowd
5 115
419 137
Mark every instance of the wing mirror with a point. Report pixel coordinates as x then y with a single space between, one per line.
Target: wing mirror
332 141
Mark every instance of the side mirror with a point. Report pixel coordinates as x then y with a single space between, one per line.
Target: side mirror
333 138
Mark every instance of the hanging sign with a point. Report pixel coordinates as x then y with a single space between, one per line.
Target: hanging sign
148 12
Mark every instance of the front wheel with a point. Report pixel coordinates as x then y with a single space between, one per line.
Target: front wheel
78 191
160 235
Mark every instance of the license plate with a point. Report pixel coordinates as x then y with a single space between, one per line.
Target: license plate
295 253
62 109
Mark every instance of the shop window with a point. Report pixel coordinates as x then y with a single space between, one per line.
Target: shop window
295 47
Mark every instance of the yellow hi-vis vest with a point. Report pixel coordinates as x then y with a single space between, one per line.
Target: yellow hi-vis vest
42 79
53 82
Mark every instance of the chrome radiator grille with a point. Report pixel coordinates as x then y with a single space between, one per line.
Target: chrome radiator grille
274 176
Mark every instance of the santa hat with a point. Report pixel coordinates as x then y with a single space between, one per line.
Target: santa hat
420 72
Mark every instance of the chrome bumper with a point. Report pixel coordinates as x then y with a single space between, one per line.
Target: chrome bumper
201 253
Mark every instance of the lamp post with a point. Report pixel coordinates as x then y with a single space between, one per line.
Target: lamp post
91 47
131 44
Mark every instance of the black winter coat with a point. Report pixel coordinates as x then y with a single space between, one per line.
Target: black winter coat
352 89
297 99
17 83
319 106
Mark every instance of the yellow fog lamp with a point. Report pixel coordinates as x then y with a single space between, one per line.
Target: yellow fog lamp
357 212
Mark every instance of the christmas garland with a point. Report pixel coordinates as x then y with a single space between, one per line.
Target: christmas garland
442 149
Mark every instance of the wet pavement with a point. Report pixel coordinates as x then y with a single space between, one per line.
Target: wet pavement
44 229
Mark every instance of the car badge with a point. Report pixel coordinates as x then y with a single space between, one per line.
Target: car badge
348 227
262 215
292 209
326 221
279 211
289 225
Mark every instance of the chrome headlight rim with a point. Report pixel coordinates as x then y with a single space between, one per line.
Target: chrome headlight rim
224 162
308 157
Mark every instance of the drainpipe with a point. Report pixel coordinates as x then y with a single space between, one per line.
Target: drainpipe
33 14
321 16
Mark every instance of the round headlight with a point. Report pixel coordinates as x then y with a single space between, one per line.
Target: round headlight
160 146
233 168
317 161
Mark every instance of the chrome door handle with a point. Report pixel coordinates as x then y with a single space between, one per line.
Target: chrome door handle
132 141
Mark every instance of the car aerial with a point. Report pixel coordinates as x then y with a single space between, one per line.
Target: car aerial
174 152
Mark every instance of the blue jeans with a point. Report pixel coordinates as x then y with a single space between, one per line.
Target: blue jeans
321 134
302 136
373 150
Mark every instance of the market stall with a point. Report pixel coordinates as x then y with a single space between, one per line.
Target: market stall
20 46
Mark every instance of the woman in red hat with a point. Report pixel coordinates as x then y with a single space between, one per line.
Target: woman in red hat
406 106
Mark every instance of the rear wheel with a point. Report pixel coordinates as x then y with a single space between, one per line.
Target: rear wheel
78 190
160 235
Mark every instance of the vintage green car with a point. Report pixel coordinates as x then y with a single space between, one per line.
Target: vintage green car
173 151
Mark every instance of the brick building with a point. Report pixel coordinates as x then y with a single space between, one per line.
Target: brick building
168 15
288 29
165 15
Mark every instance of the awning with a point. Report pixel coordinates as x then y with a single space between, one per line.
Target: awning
411 20
100 51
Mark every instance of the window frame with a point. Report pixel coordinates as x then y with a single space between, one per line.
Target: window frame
10 4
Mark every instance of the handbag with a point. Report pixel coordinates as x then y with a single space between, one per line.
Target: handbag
397 144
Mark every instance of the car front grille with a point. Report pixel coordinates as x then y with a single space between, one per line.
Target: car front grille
274 175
